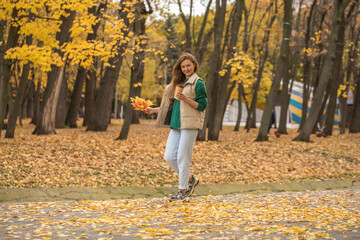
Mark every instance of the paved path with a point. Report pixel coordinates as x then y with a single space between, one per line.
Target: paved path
333 214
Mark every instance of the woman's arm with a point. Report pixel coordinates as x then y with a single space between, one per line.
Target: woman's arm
182 97
200 102
153 110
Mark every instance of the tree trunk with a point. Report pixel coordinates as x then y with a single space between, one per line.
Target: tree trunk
355 116
90 95
37 102
76 97
187 22
19 96
238 12
104 96
26 99
337 76
215 65
203 47
73 112
352 58
30 99
46 121
307 67
251 118
335 82
248 29
227 99
60 115
2 54
202 42
215 121
281 71
238 119
291 74
285 100
304 134
296 55
5 64
12 86
320 119
116 104
138 66
343 114
318 62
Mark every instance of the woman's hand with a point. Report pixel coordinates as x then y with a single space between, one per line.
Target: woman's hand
182 97
151 110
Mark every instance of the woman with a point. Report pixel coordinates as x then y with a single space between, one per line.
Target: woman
186 119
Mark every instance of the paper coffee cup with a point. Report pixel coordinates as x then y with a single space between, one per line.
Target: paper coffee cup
178 88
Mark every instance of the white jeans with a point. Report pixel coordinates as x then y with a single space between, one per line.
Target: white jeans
178 153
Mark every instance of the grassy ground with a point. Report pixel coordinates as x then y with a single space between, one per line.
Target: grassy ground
77 158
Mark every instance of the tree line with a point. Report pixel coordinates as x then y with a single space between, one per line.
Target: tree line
58 57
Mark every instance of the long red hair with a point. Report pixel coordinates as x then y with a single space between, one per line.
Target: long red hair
178 76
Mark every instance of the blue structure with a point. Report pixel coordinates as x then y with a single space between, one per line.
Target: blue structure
296 100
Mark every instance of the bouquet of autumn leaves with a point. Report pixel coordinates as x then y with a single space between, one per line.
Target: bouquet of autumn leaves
140 104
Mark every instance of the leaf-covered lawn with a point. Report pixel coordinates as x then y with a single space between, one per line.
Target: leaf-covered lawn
77 158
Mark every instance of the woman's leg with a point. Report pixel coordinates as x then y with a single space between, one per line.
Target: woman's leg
184 155
171 150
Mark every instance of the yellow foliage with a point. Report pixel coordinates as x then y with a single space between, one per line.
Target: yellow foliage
41 57
242 67
140 104
342 91
43 30
82 52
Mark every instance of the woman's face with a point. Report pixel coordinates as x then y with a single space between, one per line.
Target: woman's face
187 67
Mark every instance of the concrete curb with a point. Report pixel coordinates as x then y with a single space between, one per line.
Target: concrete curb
107 193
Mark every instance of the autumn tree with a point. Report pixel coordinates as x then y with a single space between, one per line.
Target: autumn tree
23 84
318 98
10 42
242 75
37 93
219 92
349 72
248 26
353 57
72 113
292 74
46 121
337 75
138 65
282 71
196 44
262 59
99 120
355 117
307 64
214 65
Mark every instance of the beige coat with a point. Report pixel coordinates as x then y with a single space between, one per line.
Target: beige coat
190 117
164 106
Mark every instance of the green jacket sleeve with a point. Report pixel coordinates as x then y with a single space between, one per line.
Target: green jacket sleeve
201 95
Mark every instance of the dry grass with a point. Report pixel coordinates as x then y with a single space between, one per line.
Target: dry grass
77 158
